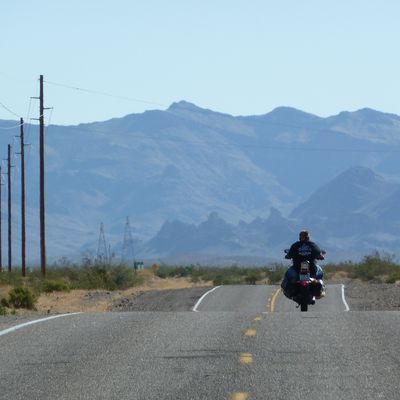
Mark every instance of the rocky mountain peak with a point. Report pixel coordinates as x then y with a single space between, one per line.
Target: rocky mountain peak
185 106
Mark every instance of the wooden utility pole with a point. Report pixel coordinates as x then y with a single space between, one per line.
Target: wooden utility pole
23 232
9 209
1 254
42 210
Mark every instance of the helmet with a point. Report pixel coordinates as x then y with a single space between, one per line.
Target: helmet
304 235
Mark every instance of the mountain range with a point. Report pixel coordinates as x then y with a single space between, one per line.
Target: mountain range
198 183
353 215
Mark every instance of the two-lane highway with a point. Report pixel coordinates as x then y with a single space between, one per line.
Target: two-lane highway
245 342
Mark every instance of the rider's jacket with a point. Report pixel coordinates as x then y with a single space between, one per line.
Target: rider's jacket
304 251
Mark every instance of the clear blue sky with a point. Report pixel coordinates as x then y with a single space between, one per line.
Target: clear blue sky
239 57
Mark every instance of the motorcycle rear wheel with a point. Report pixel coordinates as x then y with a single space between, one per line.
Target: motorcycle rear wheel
304 307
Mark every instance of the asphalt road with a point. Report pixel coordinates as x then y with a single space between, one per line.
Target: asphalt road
245 342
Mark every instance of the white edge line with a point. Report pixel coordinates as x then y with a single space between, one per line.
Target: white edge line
344 300
36 321
202 298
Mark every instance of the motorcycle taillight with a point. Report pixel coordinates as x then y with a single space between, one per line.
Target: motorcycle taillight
314 282
304 283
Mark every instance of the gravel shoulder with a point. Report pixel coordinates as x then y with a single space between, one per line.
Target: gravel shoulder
165 300
362 296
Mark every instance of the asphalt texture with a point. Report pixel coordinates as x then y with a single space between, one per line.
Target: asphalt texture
246 342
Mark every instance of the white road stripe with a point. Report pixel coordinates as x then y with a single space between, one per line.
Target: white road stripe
202 297
344 300
36 321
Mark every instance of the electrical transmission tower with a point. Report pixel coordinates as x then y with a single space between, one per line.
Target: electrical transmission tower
128 254
102 250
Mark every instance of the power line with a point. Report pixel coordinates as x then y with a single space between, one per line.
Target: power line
80 89
9 110
199 143
271 147
10 127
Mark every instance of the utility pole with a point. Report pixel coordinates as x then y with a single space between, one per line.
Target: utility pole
42 210
23 232
9 209
41 151
1 254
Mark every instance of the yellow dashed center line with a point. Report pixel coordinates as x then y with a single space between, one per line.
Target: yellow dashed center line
239 396
271 302
268 302
250 332
274 299
245 358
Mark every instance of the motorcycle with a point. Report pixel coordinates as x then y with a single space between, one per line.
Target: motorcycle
306 289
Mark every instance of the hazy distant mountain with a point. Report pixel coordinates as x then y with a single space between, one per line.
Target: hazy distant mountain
367 124
186 163
348 210
263 238
353 191
347 215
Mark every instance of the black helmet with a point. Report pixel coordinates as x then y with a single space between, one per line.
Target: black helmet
304 235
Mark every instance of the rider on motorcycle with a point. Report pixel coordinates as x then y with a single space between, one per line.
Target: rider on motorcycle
303 250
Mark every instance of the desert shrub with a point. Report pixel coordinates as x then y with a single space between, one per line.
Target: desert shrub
125 277
12 278
185 271
393 277
374 267
276 276
50 285
3 310
346 266
204 273
223 280
253 277
4 302
96 277
106 277
227 278
71 276
173 271
162 273
168 271
21 297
